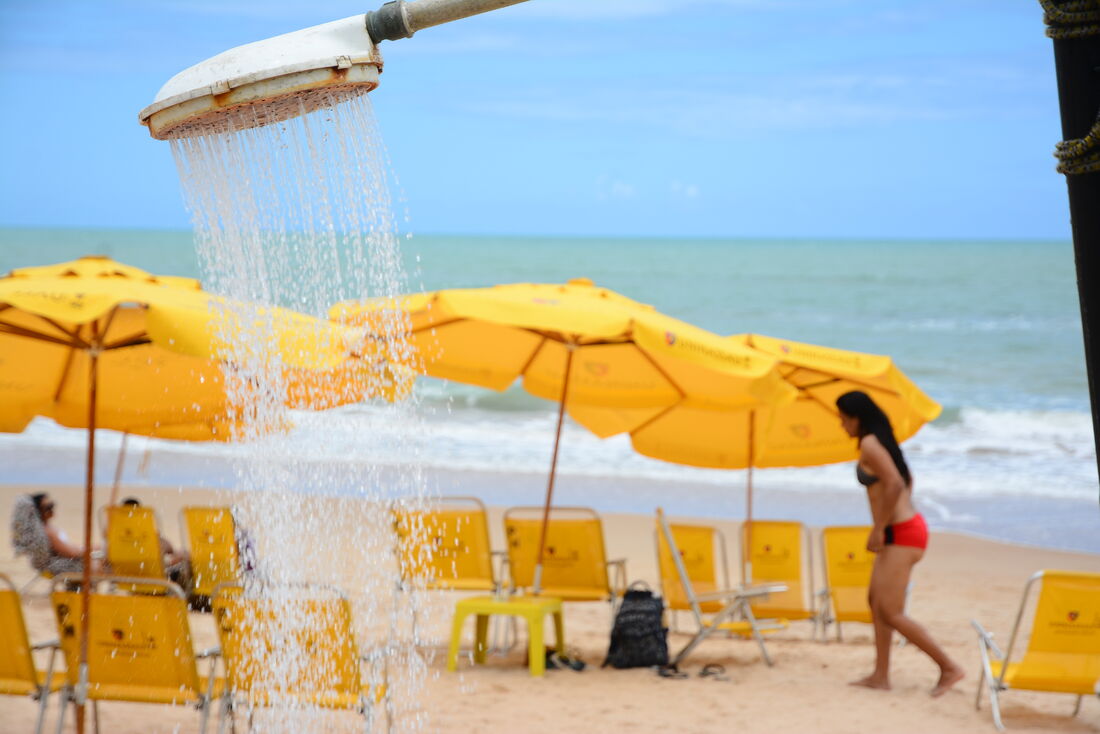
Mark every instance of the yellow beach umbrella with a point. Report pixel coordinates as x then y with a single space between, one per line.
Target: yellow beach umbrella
160 366
94 343
578 344
803 432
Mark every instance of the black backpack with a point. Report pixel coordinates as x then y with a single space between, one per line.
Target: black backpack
638 637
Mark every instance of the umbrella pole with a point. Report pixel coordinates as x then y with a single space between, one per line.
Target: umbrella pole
89 501
746 572
118 468
553 468
1076 59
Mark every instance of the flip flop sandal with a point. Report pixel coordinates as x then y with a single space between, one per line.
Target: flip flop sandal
670 671
553 662
715 671
575 661
564 663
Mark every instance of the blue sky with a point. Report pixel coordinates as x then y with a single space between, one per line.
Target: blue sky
805 118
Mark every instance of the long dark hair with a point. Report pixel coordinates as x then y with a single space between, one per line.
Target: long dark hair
39 499
872 421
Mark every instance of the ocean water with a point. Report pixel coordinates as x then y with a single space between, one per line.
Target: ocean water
990 329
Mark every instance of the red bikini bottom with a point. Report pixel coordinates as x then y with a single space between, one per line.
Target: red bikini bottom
913 532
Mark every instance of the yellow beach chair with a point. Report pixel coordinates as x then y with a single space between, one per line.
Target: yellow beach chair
133 546
311 628
702 550
848 566
212 546
781 553
447 546
139 646
1063 651
574 566
19 676
686 559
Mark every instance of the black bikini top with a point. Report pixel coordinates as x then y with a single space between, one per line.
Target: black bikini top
864 478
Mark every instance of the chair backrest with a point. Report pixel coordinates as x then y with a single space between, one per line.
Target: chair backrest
574 564
133 544
317 661
779 554
139 645
212 545
848 566
17 671
446 547
28 533
699 548
1064 646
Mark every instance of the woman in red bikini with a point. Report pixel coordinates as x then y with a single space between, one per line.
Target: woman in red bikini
898 539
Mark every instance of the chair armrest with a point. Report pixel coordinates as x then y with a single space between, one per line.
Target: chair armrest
618 584
986 639
47 645
749 592
210 652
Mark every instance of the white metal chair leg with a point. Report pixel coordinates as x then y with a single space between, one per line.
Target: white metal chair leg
978 695
747 612
27 586
64 695
368 714
995 704
44 693
225 713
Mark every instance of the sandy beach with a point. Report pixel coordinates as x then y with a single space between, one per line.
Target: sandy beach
960 578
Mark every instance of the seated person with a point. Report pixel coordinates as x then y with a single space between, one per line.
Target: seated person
177 564
47 546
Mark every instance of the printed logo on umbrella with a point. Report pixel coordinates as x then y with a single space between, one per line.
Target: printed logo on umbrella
801 430
1073 616
670 338
546 301
599 369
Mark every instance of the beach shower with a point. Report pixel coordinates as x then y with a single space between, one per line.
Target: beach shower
289 75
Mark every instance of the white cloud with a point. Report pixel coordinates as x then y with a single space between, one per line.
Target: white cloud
746 104
597 9
614 189
683 190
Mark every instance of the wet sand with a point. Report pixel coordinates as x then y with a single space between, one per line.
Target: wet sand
961 577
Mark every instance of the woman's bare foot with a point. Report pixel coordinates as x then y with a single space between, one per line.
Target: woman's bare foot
948 677
872 681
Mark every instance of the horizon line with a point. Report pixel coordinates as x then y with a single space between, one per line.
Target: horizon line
577 236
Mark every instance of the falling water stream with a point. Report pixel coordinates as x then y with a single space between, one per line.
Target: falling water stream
299 214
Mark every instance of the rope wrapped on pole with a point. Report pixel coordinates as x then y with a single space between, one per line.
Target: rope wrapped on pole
1081 155
1066 19
1071 18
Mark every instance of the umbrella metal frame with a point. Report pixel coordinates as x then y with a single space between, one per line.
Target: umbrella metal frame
571 342
94 345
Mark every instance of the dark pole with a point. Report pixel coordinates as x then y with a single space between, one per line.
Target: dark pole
1075 28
